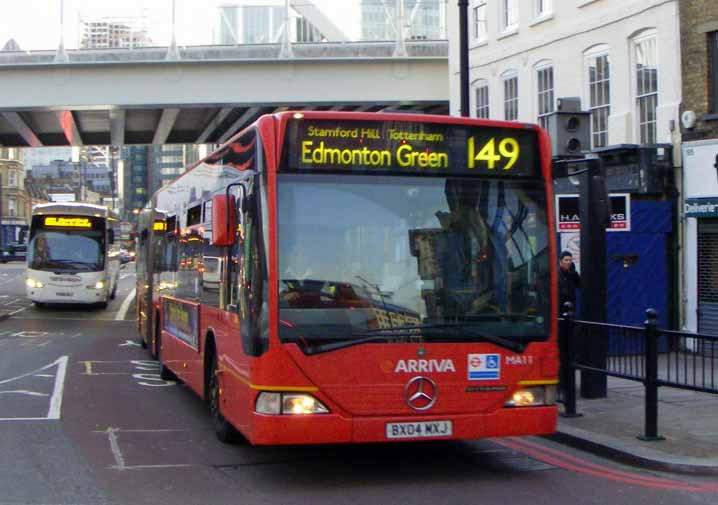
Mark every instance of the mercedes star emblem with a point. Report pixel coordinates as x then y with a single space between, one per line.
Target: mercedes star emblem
420 393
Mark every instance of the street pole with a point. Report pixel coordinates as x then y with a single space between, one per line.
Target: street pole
464 56
594 211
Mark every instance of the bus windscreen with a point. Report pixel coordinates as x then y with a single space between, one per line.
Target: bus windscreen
67 243
410 147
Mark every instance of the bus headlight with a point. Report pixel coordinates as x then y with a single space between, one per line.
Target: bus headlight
32 283
289 403
97 285
533 396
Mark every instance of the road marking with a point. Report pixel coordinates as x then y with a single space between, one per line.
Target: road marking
129 343
142 366
125 305
119 457
23 392
55 408
568 462
56 400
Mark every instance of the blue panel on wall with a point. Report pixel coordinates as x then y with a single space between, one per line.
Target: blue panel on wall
637 266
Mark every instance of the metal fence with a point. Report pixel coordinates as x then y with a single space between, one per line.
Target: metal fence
647 354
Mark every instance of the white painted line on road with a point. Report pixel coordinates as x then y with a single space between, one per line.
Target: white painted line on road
125 305
23 392
56 399
17 311
119 457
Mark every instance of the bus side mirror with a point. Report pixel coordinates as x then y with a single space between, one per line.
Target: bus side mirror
224 220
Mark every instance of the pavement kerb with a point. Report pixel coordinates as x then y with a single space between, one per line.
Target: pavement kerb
633 455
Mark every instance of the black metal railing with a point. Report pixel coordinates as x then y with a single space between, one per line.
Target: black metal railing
647 354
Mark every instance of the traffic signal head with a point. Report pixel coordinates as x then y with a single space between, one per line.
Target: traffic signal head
570 133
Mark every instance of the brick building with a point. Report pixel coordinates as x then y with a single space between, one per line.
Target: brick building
699 128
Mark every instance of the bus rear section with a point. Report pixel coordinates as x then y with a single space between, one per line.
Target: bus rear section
71 257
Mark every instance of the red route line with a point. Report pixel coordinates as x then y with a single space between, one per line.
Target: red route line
583 462
601 471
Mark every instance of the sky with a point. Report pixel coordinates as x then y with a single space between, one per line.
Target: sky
35 24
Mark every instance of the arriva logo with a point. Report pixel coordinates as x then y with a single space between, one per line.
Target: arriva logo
424 365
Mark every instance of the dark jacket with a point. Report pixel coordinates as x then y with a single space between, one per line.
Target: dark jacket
568 283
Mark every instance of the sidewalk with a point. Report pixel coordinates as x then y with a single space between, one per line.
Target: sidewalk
611 426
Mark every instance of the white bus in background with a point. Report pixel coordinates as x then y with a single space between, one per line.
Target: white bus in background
73 255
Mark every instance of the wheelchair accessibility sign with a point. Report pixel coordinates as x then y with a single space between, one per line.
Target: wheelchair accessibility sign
484 367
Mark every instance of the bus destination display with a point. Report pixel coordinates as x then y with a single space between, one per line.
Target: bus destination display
67 222
410 147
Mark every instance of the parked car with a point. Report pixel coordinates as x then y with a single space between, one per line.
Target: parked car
126 256
13 252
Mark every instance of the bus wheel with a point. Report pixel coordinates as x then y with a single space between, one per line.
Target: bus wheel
39 305
114 291
226 433
165 373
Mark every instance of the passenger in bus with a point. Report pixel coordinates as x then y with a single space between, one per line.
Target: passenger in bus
298 265
40 252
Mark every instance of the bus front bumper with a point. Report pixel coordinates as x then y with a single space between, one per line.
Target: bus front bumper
59 295
335 429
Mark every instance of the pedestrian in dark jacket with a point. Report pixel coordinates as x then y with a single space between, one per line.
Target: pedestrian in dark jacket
568 280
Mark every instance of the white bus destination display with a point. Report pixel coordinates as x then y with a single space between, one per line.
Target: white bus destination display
410 147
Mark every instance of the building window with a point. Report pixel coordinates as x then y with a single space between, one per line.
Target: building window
12 179
713 71
511 97
482 100
599 89
509 15
11 207
544 79
646 87
478 14
543 8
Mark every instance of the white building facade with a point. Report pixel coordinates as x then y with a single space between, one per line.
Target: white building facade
621 57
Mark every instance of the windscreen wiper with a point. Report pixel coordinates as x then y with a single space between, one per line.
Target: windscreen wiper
470 331
500 316
405 333
389 336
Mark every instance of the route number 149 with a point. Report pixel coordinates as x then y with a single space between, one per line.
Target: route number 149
507 149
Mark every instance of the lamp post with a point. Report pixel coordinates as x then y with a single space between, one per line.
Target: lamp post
464 56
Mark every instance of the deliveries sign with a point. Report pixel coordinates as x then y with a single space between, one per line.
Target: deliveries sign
567 213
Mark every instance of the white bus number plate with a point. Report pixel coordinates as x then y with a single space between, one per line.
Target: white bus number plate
424 429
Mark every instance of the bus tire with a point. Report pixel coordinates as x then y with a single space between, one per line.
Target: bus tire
39 305
226 433
114 291
165 373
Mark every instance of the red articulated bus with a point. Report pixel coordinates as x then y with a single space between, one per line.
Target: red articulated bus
374 277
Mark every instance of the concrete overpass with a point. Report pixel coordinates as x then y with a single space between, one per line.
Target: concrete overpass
205 94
